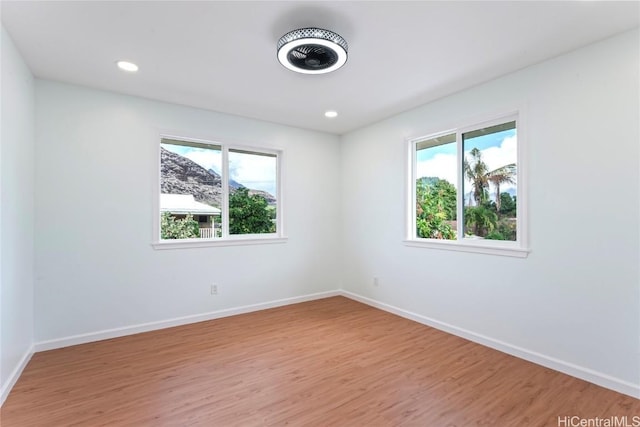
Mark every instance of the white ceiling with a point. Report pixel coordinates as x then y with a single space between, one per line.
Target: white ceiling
221 56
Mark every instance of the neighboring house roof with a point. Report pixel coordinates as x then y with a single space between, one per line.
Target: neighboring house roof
185 204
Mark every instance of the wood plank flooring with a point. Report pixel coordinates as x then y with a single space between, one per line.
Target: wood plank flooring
331 362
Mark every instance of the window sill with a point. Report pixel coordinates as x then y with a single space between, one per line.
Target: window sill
208 243
501 250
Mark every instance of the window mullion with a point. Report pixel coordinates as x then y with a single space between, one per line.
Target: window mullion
460 205
225 192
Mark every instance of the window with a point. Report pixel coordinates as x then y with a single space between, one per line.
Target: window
213 193
466 190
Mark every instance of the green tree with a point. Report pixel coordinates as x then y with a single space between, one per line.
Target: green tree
489 219
174 228
481 219
507 205
250 213
505 230
435 208
503 175
505 227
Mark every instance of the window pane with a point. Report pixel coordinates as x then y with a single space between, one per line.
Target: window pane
436 194
489 185
252 192
190 190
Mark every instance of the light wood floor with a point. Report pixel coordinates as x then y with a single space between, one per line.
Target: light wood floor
331 362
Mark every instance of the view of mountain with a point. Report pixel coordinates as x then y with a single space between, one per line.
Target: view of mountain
179 175
233 184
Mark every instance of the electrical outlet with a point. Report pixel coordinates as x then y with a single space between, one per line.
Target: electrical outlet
376 281
214 289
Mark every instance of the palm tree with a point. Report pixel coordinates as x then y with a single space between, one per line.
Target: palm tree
503 175
477 172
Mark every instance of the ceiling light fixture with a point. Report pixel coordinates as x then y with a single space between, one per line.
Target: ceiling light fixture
127 66
312 51
331 114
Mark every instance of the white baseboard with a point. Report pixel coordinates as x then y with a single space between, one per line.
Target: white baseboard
586 374
178 321
15 374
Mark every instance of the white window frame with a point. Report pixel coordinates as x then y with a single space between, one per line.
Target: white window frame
518 248
227 239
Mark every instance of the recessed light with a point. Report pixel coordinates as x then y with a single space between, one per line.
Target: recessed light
331 114
127 66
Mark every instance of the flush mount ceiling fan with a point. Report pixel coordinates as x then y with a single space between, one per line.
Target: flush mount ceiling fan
312 51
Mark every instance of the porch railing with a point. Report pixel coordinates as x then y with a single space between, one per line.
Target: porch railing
207 233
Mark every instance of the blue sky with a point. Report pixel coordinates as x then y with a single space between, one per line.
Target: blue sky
252 171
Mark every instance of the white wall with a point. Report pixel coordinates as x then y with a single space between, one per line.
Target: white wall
16 214
96 164
574 302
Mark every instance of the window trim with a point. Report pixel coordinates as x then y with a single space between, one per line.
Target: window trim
520 247
228 239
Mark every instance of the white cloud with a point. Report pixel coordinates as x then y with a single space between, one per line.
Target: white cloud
442 166
253 171
506 153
